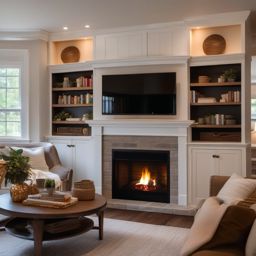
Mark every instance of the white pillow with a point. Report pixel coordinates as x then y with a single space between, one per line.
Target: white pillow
36 158
236 189
5 151
205 224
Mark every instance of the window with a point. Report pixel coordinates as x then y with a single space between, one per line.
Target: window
14 111
253 109
10 102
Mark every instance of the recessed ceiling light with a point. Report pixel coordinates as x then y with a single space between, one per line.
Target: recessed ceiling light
65 28
87 26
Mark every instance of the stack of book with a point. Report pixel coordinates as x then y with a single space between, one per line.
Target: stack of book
57 200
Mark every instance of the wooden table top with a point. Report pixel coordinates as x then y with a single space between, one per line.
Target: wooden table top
12 209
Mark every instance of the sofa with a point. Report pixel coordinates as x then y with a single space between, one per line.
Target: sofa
227 241
52 160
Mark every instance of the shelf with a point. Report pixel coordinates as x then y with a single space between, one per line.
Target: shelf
71 105
63 228
63 89
217 104
215 84
68 122
215 126
68 134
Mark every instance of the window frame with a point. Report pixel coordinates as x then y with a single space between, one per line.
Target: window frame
10 58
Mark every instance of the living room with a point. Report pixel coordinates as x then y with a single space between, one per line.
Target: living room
82 67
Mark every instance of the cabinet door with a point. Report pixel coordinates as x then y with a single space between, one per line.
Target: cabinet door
65 151
84 160
230 161
203 166
123 45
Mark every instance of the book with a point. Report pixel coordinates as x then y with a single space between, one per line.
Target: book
49 203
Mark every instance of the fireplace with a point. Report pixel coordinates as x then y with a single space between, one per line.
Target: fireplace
141 175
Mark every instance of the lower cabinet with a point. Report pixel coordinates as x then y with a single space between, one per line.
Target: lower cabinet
78 155
205 162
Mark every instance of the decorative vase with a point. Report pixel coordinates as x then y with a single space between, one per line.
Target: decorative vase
50 191
19 192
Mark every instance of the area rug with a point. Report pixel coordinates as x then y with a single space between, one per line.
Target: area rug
121 238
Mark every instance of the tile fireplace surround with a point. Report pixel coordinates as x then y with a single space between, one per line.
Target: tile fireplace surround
143 134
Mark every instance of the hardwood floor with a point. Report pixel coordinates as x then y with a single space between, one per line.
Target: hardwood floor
150 217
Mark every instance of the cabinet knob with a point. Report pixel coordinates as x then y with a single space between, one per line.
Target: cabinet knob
215 156
70 146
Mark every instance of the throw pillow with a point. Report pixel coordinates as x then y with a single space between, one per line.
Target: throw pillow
5 151
233 229
36 158
204 226
236 189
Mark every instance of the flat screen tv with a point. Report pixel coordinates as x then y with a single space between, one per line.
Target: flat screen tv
139 94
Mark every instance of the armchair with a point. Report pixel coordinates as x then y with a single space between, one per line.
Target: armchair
53 162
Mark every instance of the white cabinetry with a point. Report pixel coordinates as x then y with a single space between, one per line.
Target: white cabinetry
208 161
168 42
78 155
119 46
160 41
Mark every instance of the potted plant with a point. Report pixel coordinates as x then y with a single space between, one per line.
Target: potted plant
17 171
50 186
230 75
61 116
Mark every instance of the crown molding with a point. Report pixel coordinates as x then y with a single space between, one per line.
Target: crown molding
70 35
220 19
18 35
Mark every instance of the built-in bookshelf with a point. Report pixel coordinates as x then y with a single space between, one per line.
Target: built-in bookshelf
72 103
215 104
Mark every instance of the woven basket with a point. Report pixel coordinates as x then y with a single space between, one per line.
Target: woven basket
83 194
84 190
86 184
203 79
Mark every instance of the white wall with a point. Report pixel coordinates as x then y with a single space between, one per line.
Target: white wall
38 85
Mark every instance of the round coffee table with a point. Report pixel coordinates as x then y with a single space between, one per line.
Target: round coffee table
41 223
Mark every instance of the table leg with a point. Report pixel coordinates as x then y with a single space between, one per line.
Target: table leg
101 218
38 236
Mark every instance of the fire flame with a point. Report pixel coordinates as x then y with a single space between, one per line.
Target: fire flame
146 179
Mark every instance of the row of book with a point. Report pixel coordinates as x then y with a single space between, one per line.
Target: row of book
230 96
80 82
76 99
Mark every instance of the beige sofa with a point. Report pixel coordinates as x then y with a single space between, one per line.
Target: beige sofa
216 183
53 161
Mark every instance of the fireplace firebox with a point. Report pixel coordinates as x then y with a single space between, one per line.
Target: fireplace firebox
141 175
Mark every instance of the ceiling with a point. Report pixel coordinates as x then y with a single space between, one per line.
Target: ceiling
52 15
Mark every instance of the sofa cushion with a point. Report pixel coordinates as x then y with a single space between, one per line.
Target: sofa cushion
233 229
36 157
236 189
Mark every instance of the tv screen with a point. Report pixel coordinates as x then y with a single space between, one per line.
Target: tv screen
139 94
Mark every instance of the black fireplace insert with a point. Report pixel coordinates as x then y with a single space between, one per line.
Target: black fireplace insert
141 175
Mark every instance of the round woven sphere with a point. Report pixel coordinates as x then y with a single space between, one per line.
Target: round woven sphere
214 44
